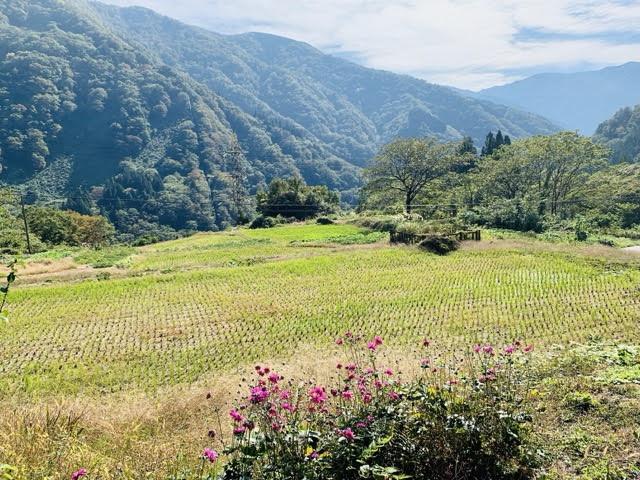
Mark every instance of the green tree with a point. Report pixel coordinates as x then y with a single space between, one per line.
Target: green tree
293 198
406 166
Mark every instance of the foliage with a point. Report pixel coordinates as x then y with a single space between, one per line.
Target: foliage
4 291
262 221
57 227
621 134
407 166
370 425
439 244
293 198
491 143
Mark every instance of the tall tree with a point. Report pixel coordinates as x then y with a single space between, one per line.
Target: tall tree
407 166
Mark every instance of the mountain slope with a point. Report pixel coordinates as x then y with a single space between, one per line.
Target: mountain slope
576 100
621 134
349 108
139 110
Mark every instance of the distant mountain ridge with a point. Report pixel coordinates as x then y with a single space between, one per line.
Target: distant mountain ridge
573 100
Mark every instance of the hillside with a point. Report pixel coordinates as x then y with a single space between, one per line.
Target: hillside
576 100
140 111
349 108
621 134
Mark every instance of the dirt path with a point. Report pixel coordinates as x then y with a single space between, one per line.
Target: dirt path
635 249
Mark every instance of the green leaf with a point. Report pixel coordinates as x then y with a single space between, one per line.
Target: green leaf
11 278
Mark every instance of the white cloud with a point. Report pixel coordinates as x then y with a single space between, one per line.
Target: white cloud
464 43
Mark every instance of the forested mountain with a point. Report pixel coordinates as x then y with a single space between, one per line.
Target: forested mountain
141 112
574 100
621 134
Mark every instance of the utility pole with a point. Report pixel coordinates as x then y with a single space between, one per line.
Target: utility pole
26 224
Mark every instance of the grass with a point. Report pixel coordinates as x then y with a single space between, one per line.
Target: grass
136 351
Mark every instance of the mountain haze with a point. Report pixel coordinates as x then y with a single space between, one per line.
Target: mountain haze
573 100
140 110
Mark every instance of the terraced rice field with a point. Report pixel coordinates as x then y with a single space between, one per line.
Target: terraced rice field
215 302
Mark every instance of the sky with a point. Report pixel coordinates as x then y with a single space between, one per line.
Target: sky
469 44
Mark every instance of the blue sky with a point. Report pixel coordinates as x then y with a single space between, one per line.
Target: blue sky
469 44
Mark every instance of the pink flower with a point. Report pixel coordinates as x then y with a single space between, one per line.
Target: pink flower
276 426
267 369
366 397
208 395
317 395
239 430
378 384
339 341
285 394
377 340
477 348
369 371
510 349
361 425
334 392
488 350
339 366
210 454
351 376
425 343
347 433
259 394
313 455
517 342
257 367
527 348
274 378
426 361
80 473
371 346
236 416
348 395
388 371
348 334
394 395
350 367
249 425
286 406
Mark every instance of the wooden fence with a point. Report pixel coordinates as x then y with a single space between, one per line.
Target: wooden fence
411 238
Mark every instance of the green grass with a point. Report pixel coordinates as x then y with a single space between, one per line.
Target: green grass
192 306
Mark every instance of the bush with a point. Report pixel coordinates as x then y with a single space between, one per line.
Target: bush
370 425
439 244
263 221
325 221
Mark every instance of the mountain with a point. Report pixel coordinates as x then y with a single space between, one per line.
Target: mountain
621 134
139 112
573 100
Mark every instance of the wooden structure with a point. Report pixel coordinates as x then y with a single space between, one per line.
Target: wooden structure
411 238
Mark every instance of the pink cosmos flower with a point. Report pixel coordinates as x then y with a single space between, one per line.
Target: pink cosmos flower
249 425
517 342
210 454
388 371
317 395
366 397
425 343
276 426
339 341
80 473
527 348
350 367
348 395
426 361
377 340
339 366
369 371
239 430
371 346
334 392
313 455
286 406
236 416
285 394
394 395
348 334
477 348
351 376
510 349
378 384
488 350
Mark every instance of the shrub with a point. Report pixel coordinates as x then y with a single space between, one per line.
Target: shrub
370 425
324 221
263 221
439 244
